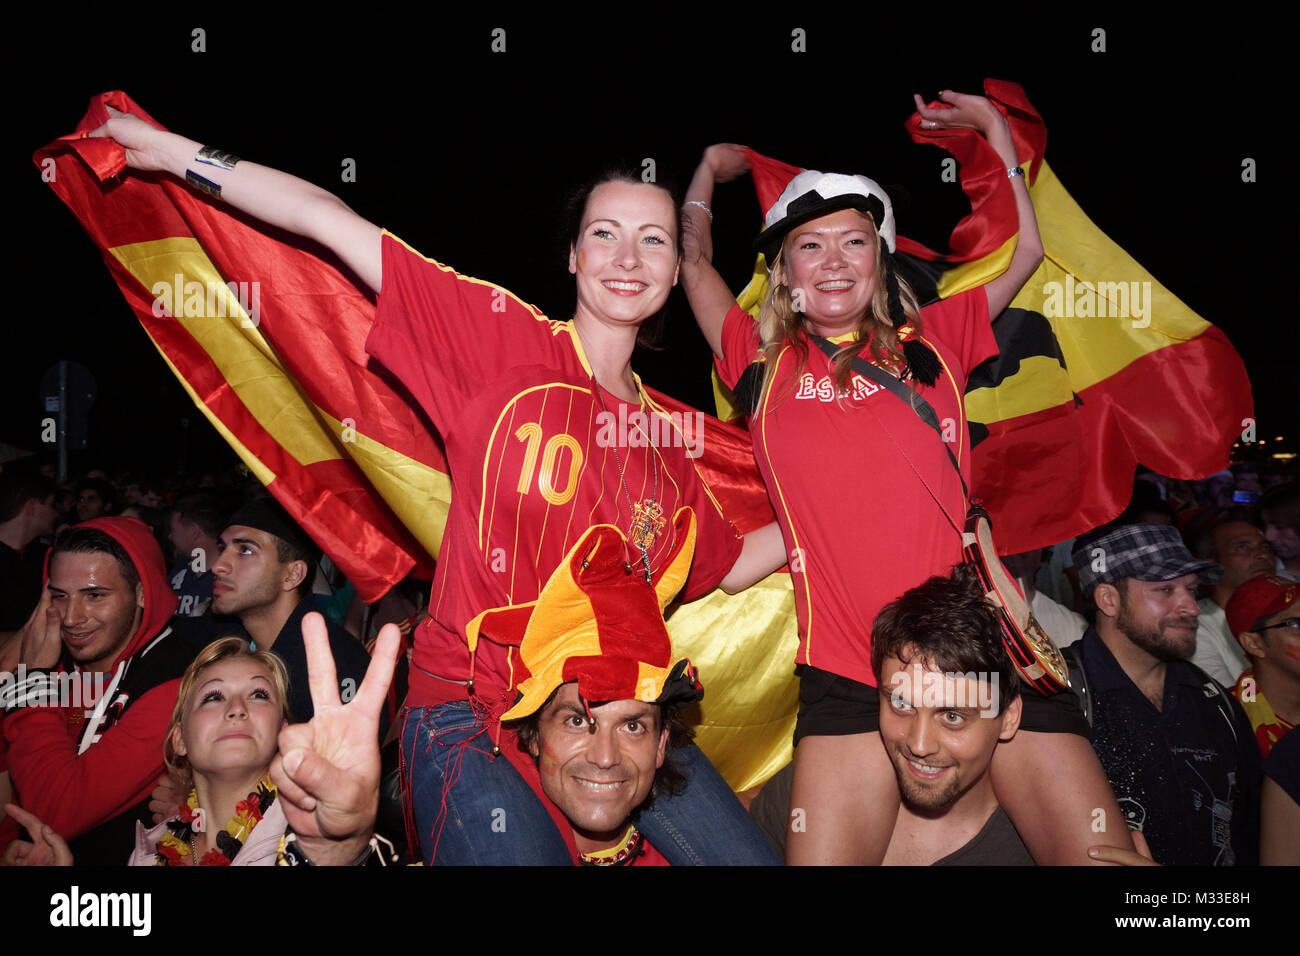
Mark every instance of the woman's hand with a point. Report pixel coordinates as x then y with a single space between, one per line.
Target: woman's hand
1113 854
966 112
147 147
725 162
327 770
978 113
275 198
50 849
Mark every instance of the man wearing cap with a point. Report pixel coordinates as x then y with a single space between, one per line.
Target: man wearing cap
263 576
1177 748
597 720
1264 613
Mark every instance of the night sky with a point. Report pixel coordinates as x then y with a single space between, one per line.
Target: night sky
467 154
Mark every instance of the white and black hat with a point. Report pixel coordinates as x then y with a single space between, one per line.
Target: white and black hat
812 193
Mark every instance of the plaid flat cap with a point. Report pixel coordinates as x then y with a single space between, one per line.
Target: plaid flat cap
1144 552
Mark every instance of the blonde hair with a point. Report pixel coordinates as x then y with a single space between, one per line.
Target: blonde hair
779 324
224 649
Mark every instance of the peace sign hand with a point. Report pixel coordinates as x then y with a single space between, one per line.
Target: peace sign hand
327 770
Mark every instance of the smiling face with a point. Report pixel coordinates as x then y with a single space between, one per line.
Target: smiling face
598 779
98 610
249 572
231 720
939 739
829 265
625 258
1160 616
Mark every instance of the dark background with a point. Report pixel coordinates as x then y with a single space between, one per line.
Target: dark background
467 154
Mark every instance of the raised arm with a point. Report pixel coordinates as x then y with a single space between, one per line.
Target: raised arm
275 198
709 296
978 113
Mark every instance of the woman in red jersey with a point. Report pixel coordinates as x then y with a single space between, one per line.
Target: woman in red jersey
866 494
522 404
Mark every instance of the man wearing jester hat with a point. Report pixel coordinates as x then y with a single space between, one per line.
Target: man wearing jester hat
598 715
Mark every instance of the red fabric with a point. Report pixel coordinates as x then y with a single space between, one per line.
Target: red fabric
770 177
76 793
860 528
1056 473
1082 455
311 313
727 466
993 218
509 393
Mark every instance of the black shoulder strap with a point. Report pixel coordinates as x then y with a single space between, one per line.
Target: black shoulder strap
1073 655
908 396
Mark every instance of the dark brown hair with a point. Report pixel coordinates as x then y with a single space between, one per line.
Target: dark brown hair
947 623
575 207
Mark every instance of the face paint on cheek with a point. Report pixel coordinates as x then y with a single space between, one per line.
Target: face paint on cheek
582 261
1293 653
548 763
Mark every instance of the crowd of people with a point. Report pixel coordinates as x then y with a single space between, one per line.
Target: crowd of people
540 717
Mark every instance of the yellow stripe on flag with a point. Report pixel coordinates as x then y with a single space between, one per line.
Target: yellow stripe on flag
420 496
1104 308
233 343
744 646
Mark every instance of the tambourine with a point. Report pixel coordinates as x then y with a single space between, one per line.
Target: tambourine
1033 652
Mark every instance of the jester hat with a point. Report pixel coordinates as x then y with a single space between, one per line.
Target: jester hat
600 623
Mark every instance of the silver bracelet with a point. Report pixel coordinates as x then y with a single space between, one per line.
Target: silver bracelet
1015 171
704 206
210 156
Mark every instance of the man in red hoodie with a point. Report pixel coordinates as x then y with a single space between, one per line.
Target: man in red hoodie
87 710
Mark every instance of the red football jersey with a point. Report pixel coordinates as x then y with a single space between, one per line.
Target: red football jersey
854 478
535 456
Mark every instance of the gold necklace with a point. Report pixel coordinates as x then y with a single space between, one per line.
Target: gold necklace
647 515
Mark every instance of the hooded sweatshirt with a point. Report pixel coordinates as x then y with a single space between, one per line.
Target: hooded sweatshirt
80 769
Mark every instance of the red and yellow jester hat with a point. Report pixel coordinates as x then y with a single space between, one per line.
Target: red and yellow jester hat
600 623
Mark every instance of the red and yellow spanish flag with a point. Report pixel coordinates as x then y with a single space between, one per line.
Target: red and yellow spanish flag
1100 368
267 337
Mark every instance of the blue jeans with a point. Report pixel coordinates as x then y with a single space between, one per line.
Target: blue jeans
493 818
